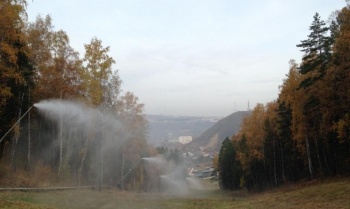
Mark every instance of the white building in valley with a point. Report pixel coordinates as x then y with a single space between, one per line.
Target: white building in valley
185 139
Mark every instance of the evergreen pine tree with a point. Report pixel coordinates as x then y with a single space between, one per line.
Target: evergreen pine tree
228 169
317 50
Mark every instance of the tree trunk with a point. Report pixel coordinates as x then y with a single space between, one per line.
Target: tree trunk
274 161
29 134
39 137
309 158
349 160
318 156
17 131
82 160
282 162
101 165
61 144
53 148
61 139
325 161
121 180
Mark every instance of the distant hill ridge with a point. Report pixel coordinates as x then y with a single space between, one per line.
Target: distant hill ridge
163 128
213 137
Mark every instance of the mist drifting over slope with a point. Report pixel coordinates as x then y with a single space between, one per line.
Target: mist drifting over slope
88 140
96 147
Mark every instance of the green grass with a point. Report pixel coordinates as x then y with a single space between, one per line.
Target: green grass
326 194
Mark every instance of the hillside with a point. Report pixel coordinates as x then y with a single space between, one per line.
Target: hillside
317 194
212 138
167 128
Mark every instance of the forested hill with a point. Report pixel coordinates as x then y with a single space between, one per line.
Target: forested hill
305 132
212 138
60 142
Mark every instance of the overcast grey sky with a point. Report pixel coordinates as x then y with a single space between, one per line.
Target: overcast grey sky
192 57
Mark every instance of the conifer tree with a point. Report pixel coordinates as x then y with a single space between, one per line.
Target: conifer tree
314 66
228 169
317 51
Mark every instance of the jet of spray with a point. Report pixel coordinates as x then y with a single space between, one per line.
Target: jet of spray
171 179
83 131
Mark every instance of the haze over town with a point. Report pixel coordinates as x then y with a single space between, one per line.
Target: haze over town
201 58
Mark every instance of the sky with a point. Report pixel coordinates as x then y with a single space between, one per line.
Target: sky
192 57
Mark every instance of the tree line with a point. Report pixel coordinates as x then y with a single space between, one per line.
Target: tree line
38 63
305 132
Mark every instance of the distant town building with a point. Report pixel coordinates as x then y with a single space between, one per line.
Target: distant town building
185 139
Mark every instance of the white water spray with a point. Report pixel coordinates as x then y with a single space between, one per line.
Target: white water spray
172 178
86 134
79 116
